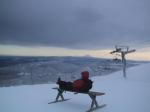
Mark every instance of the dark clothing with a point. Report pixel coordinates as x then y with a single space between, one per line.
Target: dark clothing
66 85
79 85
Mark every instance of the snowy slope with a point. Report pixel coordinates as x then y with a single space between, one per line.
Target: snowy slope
122 95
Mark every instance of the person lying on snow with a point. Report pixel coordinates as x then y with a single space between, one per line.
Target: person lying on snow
80 85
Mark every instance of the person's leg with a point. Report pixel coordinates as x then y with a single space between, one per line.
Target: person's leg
69 86
64 85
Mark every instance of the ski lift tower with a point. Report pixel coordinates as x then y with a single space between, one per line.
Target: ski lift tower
123 50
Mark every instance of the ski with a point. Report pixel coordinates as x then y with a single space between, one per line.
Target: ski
95 108
56 101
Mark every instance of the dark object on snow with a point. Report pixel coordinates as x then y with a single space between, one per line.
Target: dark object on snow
80 85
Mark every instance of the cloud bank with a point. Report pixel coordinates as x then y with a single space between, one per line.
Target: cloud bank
75 24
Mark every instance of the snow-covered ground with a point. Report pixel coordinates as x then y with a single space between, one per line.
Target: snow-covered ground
122 95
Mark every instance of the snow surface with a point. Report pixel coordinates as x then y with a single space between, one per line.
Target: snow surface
122 95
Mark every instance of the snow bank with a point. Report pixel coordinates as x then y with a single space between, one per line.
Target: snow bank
122 95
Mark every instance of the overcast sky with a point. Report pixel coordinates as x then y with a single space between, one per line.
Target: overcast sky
75 24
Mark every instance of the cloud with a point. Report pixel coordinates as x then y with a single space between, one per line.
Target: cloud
76 24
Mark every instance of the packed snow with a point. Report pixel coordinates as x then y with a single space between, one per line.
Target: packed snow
122 95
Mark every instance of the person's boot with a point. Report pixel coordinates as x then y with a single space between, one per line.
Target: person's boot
58 80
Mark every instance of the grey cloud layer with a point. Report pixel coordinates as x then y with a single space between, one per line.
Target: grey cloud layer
83 24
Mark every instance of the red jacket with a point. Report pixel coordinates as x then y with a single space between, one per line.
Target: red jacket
83 84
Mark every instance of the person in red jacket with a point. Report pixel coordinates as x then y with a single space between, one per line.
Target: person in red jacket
80 85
